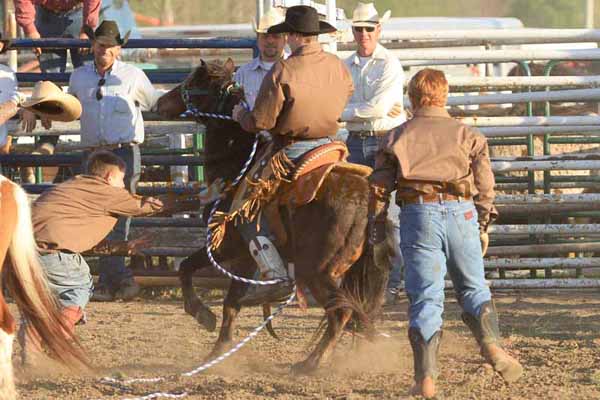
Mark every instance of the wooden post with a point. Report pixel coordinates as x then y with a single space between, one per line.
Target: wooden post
166 16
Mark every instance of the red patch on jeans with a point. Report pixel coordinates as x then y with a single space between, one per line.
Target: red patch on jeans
468 215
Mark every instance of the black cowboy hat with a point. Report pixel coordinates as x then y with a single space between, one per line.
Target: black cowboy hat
107 33
302 19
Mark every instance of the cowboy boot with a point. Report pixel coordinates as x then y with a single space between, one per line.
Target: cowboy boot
487 333
425 362
270 266
71 315
29 341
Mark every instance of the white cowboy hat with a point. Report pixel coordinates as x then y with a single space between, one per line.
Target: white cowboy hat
365 14
49 101
272 17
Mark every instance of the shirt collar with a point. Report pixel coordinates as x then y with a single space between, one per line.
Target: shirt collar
307 49
257 63
431 111
112 69
378 54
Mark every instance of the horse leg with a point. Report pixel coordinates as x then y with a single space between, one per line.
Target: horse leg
231 309
325 291
191 303
7 333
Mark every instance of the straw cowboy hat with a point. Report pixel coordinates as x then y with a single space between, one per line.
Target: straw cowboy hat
272 17
107 34
302 19
49 101
365 14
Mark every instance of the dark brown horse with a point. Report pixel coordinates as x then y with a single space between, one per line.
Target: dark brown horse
328 234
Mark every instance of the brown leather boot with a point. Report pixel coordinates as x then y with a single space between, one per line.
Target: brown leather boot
71 316
425 362
487 333
31 348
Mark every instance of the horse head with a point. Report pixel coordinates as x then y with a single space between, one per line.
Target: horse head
209 89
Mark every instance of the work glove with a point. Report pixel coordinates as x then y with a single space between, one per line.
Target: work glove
484 238
378 203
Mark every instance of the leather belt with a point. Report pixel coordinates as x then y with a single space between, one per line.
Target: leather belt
432 198
365 134
112 146
75 7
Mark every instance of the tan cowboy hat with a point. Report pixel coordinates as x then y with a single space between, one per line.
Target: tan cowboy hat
49 101
365 14
272 17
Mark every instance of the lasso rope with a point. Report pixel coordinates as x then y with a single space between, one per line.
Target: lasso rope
122 383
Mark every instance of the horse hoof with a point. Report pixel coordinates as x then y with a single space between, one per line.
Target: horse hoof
206 318
304 368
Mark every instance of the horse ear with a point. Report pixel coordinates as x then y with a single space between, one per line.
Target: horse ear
229 66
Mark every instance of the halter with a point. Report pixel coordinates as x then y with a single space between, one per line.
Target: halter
191 111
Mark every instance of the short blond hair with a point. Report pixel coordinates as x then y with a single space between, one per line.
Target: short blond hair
428 87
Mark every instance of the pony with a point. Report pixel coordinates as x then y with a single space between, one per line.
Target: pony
328 235
24 279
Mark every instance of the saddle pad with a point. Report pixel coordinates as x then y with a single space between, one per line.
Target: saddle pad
351 168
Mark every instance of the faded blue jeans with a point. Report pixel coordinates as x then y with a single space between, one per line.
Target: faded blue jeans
112 270
68 277
363 151
439 238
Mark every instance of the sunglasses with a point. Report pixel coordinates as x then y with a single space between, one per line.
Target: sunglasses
101 83
363 29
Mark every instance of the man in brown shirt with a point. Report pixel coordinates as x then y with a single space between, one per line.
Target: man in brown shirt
300 102
75 216
445 188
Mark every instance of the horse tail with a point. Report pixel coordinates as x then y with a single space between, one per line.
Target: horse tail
363 288
27 285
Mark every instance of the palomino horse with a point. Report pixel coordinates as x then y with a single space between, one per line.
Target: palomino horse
328 235
24 278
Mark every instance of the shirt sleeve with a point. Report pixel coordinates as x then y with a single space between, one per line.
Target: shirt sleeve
25 15
91 12
386 164
145 94
484 180
126 204
269 102
387 92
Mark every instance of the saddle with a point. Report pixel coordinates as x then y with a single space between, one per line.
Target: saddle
274 181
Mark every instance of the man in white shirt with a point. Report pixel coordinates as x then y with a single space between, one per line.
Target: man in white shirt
271 49
376 106
10 100
113 95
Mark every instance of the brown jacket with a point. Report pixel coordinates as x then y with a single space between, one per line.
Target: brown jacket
303 96
435 153
77 214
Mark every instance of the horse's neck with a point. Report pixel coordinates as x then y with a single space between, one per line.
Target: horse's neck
227 141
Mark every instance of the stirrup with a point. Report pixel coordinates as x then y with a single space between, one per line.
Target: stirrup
263 294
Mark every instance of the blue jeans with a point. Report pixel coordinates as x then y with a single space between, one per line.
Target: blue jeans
295 150
69 278
363 151
112 270
65 25
439 238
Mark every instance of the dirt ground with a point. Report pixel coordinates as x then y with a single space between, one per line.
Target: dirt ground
555 334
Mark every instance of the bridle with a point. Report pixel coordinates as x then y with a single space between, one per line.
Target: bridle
225 91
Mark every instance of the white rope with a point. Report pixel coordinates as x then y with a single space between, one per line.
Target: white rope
203 367
251 335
